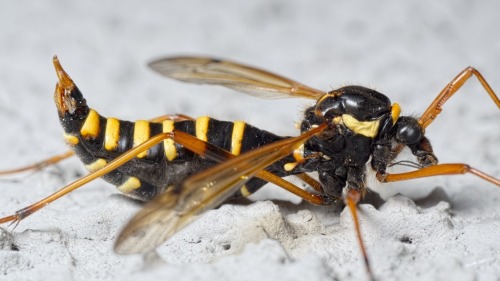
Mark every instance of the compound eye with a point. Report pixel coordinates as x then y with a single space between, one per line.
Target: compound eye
409 134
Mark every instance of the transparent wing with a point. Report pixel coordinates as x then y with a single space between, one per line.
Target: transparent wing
243 78
171 211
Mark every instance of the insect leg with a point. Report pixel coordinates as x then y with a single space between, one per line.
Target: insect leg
435 108
438 170
310 181
217 154
57 158
172 210
39 165
116 163
312 198
351 200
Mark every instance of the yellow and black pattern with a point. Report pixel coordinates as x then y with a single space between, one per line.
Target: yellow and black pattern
112 135
169 144
91 127
99 140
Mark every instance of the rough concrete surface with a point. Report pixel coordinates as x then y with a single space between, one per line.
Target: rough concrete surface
444 228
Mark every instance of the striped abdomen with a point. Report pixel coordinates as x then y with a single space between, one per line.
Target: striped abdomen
100 139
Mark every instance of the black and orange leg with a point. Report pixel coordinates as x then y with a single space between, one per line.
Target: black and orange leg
438 170
111 166
304 177
436 106
430 115
39 165
351 200
189 142
57 158
316 185
217 154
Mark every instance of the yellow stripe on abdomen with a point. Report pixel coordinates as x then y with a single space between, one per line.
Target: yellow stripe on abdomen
96 165
169 144
237 137
71 139
141 134
112 135
202 127
244 191
90 128
129 185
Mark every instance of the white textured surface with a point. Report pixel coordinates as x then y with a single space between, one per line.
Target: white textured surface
408 50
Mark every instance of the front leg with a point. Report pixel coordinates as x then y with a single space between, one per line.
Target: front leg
423 151
436 106
437 170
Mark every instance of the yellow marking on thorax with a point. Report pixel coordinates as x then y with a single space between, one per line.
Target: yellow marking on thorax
169 144
365 128
202 127
237 137
71 139
244 191
141 134
90 128
112 135
96 165
129 185
395 111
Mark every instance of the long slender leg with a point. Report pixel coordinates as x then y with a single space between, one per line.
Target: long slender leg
428 117
57 158
39 165
116 163
310 181
119 161
217 154
312 198
188 141
352 199
438 170
436 106
174 209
